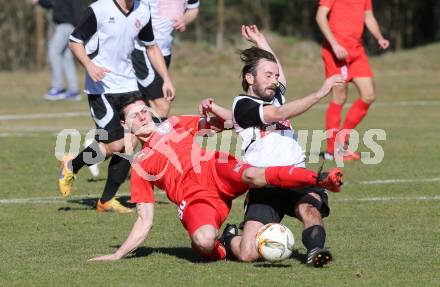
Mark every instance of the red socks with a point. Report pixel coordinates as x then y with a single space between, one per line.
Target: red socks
332 124
290 176
355 114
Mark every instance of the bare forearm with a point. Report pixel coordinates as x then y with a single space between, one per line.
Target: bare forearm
324 26
373 26
221 112
136 237
297 107
156 58
190 15
80 53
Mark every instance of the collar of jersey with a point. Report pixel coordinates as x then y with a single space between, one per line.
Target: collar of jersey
257 98
122 11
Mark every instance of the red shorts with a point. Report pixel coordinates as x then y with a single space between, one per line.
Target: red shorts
354 66
211 192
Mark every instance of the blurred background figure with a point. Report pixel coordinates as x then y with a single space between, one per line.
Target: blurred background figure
66 14
167 16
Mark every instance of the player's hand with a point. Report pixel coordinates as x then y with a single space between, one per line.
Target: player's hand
329 83
252 34
96 72
169 91
340 52
205 107
179 24
108 257
383 43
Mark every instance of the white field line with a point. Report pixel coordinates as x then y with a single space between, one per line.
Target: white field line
58 199
14 117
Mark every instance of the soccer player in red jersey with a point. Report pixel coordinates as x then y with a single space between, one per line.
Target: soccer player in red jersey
202 183
342 24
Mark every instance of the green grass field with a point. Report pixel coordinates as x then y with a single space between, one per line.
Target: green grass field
382 232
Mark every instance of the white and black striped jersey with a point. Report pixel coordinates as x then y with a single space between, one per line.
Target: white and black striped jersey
163 13
265 144
109 35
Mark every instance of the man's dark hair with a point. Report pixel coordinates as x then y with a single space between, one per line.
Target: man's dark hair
250 58
126 100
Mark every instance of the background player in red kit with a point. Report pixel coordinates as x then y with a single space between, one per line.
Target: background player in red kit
342 24
201 183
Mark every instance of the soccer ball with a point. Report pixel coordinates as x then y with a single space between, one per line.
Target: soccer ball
274 242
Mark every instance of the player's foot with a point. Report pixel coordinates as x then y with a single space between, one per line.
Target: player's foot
112 205
342 155
72 96
65 181
230 230
54 94
228 233
318 257
331 180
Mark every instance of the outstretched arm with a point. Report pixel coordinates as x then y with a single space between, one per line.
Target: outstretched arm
138 233
253 35
373 27
294 108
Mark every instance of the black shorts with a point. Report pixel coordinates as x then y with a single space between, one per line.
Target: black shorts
149 81
270 204
105 112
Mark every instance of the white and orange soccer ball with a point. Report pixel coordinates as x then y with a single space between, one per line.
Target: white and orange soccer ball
274 242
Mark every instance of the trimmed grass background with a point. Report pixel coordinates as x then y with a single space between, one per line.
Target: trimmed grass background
375 243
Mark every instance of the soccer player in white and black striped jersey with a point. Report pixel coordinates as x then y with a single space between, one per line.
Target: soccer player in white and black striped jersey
261 118
103 42
168 16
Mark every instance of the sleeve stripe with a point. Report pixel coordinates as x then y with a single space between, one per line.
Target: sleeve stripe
76 40
261 112
150 43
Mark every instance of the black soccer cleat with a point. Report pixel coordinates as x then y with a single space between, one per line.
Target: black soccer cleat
318 257
230 231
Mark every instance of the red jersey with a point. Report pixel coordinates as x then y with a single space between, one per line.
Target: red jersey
346 19
173 161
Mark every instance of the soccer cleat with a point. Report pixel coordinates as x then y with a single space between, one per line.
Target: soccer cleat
331 180
71 96
112 205
65 181
230 230
318 257
54 95
342 155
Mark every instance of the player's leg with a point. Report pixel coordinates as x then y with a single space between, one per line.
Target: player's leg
150 84
161 107
57 46
339 96
309 210
69 68
362 75
202 221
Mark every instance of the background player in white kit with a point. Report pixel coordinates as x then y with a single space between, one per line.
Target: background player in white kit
167 17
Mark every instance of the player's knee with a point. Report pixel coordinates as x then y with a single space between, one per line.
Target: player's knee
339 95
116 146
204 240
369 97
309 214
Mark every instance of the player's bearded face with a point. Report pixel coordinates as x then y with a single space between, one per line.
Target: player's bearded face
138 119
266 80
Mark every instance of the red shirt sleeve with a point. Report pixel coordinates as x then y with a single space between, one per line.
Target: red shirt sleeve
327 3
368 5
140 188
190 123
